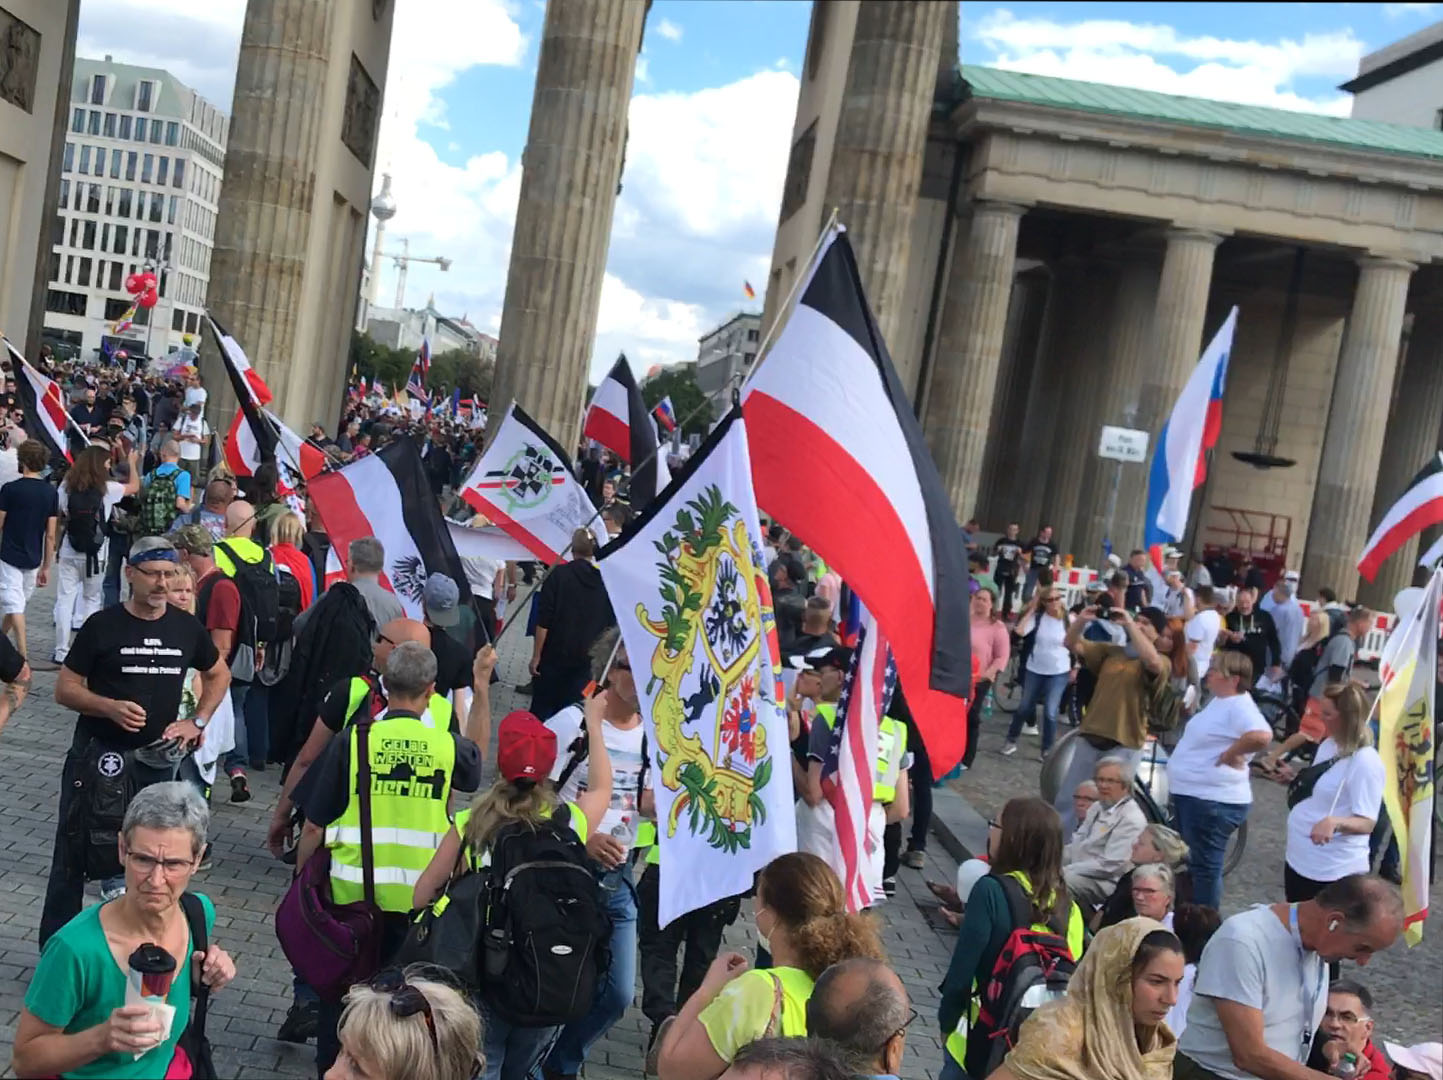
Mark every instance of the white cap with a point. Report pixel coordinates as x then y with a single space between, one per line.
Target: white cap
1425 1058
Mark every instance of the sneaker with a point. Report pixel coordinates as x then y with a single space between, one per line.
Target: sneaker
300 1022
204 860
240 789
889 887
653 1048
107 895
1008 749
1031 731
914 858
527 688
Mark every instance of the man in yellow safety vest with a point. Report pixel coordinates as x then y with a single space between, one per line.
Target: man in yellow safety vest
412 764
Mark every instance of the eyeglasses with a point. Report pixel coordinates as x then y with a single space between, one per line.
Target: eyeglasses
911 1015
160 573
406 1001
383 637
620 665
1345 1017
146 865
993 823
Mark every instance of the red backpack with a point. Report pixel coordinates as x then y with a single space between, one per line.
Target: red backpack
1032 969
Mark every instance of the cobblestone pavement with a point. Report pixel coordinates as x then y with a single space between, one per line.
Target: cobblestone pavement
246 883
1406 983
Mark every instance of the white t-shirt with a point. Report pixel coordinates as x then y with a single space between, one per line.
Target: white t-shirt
1172 603
1203 629
114 492
190 451
481 574
1049 654
1177 1015
1193 768
1351 788
624 748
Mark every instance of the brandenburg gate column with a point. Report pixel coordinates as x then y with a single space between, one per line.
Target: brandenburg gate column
571 171
1175 345
1353 440
1412 438
969 345
881 135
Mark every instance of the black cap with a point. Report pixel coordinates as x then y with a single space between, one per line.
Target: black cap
1154 616
839 658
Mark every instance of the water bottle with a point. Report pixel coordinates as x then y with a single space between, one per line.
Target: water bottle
987 705
1347 1066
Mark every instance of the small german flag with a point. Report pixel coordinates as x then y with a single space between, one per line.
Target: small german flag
751 293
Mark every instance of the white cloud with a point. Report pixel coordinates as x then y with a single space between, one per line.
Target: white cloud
195 42
1398 11
668 29
1133 54
643 69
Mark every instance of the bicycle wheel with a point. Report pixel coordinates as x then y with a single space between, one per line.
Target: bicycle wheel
1237 844
1007 690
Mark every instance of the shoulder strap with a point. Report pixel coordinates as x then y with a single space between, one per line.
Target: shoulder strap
1019 904
774 1021
363 782
199 942
576 754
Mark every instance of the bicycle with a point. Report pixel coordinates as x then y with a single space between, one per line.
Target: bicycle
1007 687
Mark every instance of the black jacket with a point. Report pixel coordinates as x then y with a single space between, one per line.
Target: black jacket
574 609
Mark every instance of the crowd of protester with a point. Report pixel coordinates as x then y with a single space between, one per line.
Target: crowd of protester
207 645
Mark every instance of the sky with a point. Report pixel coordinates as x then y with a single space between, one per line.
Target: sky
710 122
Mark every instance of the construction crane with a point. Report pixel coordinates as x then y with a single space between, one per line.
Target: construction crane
404 260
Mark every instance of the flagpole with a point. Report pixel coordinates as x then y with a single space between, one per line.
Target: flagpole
259 408
69 420
784 313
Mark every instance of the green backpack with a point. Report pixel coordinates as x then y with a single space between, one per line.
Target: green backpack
157 505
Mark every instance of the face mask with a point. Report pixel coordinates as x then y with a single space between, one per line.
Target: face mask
763 940
1290 587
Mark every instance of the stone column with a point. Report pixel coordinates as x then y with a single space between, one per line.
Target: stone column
1015 372
1128 357
263 226
881 134
1045 397
1174 346
1353 440
1411 439
969 345
1082 389
571 175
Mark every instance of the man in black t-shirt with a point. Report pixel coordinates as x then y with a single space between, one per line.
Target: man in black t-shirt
124 676
1009 565
1041 553
1139 589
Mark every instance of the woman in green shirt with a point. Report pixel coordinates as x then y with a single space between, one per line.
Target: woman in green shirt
75 1022
801 917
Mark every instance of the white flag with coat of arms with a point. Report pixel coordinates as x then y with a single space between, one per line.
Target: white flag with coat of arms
689 586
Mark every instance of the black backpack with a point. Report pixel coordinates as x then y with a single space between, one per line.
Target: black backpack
260 595
547 936
85 526
288 603
1033 968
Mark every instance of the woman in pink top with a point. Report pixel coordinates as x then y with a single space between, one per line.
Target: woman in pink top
991 647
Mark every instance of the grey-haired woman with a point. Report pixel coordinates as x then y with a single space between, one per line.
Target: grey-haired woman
75 1021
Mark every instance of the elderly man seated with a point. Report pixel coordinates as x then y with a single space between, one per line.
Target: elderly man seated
1101 848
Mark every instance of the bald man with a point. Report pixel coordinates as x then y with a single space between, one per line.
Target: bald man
862 1007
350 698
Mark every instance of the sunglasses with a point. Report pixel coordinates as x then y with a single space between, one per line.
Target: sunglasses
406 1001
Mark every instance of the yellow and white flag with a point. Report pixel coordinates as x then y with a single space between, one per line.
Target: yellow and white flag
1406 724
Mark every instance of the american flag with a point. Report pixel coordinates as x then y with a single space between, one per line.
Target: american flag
424 357
416 384
851 763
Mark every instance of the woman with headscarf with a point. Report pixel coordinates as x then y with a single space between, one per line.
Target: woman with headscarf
1111 1023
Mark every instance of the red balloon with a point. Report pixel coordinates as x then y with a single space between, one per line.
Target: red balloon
133 284
148 280
148 298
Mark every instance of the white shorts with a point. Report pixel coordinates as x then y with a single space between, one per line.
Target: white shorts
16 588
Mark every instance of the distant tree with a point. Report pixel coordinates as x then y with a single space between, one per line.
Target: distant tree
693 410
371 358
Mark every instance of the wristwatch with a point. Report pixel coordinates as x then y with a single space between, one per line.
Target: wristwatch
200 722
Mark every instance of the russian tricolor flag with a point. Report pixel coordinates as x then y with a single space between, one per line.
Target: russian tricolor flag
665 415
1179 458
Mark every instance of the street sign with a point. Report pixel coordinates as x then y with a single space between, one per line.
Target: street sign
1122 444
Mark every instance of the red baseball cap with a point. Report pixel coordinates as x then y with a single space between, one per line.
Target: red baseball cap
525 747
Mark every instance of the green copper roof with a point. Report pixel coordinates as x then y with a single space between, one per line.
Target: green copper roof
993 84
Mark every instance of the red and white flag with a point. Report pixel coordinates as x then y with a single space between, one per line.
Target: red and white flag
826 404
44 405
851 764
247 380
387 495
619 420
296 458
1420 506
524 483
